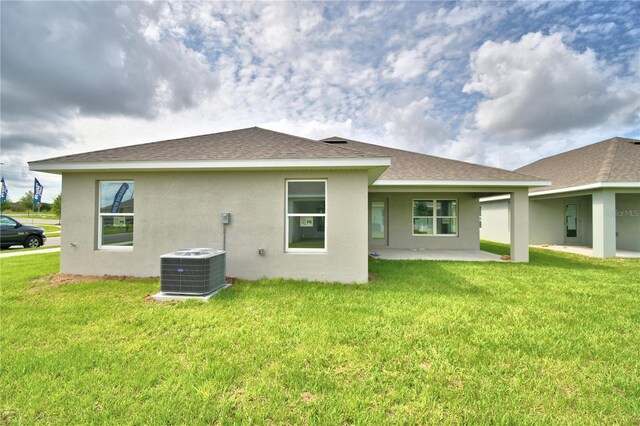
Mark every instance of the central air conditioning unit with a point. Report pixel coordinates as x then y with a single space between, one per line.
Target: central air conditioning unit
198 271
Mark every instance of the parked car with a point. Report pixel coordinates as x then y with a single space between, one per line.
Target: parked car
14 233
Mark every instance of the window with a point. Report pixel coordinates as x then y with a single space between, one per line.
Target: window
8 222
435 217
306 215
378 220
115 217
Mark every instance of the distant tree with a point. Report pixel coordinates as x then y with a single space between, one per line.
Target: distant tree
57 205
45 207
16 206
27 200
6 205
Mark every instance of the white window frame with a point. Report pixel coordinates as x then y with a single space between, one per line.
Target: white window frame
435 217
101 215
289 215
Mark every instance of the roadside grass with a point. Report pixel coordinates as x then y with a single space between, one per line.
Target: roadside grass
50 230
14 250
553 341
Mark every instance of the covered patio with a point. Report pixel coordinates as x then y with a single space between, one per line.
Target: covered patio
427 254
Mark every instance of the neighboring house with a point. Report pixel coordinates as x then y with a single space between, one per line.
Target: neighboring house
594 200
299 208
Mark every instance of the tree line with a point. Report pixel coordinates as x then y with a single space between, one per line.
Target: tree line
25 203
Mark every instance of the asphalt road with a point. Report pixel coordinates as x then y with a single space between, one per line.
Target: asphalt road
35 221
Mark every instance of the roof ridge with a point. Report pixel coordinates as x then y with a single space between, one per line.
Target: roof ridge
204 135
576 149
147 143
345 147
607 162
314 140
441 158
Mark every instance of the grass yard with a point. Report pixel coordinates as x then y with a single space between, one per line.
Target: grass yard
14 249
553 341
30 215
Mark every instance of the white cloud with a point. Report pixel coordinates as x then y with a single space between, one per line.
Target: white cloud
539 86
408 64
457 16
412 127
388 73
314 129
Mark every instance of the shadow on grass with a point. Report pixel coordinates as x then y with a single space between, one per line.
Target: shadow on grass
540 257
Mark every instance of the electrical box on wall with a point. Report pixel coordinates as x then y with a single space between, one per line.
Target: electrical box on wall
226 218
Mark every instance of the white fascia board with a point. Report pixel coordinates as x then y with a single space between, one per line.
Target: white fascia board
495 198
360 162
597 185
519 183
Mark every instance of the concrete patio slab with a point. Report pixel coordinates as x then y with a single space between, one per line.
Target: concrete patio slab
587 251
424 254
164 297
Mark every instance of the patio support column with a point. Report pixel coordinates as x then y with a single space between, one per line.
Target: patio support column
519 217
604 223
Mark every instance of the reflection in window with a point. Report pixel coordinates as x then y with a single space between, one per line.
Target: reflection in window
377 220
444 216
115 227
306 215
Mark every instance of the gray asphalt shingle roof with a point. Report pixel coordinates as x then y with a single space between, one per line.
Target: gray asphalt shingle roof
407 165
253 143
612 160
256 143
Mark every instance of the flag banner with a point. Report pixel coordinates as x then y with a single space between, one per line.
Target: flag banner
37 192
118 198
5 192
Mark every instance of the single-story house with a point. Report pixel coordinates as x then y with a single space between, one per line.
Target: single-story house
594 200
298 208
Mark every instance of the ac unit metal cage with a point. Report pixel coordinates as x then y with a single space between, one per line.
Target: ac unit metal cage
197 271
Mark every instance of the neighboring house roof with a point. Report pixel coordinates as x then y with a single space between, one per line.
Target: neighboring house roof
615 160
416 167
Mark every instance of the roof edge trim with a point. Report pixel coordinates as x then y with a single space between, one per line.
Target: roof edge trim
363 162
488 182
597 185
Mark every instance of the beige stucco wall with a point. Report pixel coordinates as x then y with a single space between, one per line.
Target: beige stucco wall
495 221
546 220
628 221
401 227
176 210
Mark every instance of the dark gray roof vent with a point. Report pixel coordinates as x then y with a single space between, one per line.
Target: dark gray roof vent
334 140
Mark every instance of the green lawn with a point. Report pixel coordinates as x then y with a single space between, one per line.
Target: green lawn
307 244
15 249
29 215
50 230
553 341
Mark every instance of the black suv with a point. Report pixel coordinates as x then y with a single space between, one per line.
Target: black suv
14 233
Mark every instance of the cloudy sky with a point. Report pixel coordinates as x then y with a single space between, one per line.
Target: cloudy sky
501 84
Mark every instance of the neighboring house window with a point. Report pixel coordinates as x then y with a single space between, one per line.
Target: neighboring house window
435 217
306 215
115 217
